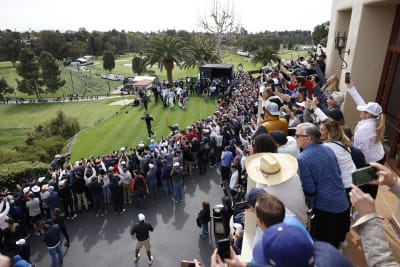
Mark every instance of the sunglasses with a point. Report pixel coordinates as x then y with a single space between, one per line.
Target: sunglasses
300 135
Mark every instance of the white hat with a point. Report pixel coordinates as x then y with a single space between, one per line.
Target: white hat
26 190
122 149
272 108
58 156
20 242
176 164
338 97
141 217
301 104
123 162
41 179
372 108
151 166
271 168
35 188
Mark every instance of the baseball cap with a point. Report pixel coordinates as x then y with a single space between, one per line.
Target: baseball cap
284 245
20 242
176 164
26 190
372 108
279 137
251 196
272 108
141 217
338 97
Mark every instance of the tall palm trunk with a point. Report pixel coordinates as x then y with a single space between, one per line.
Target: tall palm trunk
169 66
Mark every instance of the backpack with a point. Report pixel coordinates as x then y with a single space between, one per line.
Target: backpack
138 183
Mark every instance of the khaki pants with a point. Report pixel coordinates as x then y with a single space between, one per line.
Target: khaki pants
82 197
145 243
126 192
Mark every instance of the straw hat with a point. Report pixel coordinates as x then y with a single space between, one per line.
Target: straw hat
271 168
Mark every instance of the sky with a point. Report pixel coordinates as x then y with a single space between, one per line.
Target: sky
154 15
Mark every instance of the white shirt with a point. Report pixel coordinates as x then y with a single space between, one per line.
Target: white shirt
365 133
233 182
345 162
291 194
290 147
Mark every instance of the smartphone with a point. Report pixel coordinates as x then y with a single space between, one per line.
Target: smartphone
224 248
364 175
347 77
186 263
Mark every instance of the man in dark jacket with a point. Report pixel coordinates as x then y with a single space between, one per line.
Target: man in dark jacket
96 191
79 189
202 158
142 230
65 195
52 239
116 193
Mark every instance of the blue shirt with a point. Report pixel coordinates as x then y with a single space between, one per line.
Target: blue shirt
320 176
226 158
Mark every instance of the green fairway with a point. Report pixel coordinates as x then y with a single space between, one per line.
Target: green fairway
103 127
128 129
17 120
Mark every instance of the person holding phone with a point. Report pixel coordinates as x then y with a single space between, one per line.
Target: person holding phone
376 247
369 131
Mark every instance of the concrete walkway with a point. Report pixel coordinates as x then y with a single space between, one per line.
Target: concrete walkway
106 241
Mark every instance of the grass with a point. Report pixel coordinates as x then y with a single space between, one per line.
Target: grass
99 122
102 131
17 120
128 129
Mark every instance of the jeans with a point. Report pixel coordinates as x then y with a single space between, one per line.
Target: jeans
53 252
153 192
178 191
107 195
204 230
167 187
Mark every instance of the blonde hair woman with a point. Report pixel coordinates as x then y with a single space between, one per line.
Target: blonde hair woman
331 84
370 130
333 136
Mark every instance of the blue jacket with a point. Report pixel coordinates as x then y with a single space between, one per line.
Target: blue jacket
52 236
320 176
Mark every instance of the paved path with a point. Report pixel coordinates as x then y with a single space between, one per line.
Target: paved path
106 241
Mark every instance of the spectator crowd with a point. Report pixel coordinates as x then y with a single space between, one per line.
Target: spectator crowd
284 130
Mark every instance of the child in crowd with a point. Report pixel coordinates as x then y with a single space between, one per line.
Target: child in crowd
203 218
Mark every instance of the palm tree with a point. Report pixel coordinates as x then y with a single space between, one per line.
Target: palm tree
265 55
204 51
167 51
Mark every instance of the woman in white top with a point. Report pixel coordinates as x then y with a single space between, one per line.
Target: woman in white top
333 136
370 130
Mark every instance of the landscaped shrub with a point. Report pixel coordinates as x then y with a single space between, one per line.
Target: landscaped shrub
13 173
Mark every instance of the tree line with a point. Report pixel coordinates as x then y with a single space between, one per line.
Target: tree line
37 52
74 44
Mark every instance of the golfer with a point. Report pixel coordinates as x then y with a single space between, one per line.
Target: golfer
142 230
